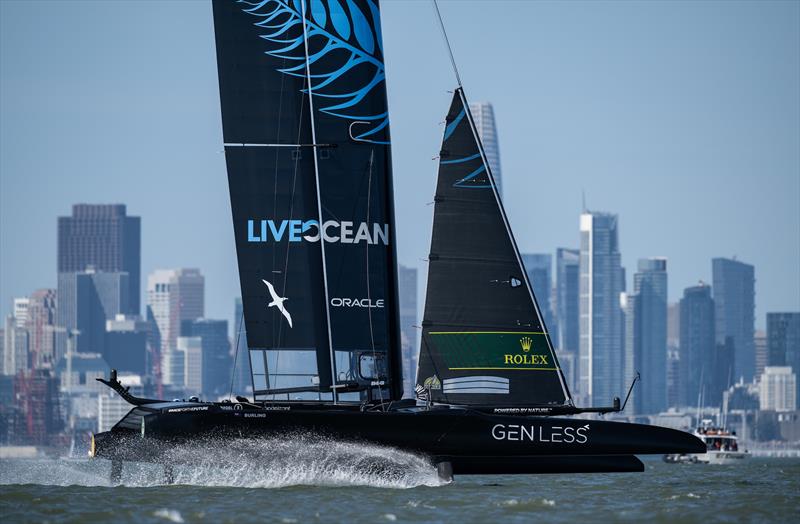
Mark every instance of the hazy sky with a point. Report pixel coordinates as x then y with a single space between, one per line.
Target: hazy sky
683 117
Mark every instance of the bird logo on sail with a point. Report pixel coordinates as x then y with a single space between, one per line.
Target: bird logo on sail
525 342
278 302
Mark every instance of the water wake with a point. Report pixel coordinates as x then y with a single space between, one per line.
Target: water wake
246 463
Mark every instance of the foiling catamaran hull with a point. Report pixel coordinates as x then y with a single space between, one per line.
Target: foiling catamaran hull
458 441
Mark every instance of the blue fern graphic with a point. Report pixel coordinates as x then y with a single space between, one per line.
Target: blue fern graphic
351 37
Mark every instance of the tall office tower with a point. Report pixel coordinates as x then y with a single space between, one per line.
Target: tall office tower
216 349
650 342
86 300
483 114
783 341
407 289
104 237
173 296
15 347
41 327
778 389
242 382
761 351
602 280
126 344
673 377
673 324
734 298
539 267
21 305
697 345
568 314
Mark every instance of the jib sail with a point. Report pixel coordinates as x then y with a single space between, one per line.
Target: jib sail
306 133
483 341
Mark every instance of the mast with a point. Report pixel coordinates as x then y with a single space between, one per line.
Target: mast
319 206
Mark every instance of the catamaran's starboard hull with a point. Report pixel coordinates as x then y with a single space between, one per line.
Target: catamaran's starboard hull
473 442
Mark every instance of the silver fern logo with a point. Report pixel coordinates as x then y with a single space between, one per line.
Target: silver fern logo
344 54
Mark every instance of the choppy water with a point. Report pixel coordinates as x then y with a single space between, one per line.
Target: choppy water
334 482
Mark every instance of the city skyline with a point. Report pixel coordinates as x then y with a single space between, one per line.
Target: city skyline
726 197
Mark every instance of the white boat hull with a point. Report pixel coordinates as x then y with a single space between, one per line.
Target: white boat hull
721 457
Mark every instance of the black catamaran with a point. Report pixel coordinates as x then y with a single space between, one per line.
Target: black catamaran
307 146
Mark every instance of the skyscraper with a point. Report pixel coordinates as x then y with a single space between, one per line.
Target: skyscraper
483 114
602 280
216 350
568 314
539 267
734 299
778 389
173 296
104 237
407 288
86 300
650 336
15 347
783 341
697 343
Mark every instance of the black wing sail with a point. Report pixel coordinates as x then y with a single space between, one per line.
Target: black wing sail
483 342
307 148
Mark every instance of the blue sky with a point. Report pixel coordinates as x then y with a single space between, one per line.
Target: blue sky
683 117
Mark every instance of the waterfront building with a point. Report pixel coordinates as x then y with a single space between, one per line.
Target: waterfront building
407 291
734 300
567 299
103 237
602 280
539 267
216 356
483 114
778 389
697 343
173 297
36 401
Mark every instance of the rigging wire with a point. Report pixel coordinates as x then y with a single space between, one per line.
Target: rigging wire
446 41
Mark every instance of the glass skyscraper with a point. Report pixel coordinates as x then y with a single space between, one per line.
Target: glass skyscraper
602 281
567 278
697 345
539 267
783 341
483 114
734 299
646 335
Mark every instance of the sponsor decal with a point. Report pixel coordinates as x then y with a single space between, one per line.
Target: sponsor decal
332 231
534 433
477 385
357 302
278 302
493 350
194 408
522 411
255 415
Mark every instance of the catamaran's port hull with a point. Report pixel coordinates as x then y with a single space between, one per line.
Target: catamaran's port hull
472 442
